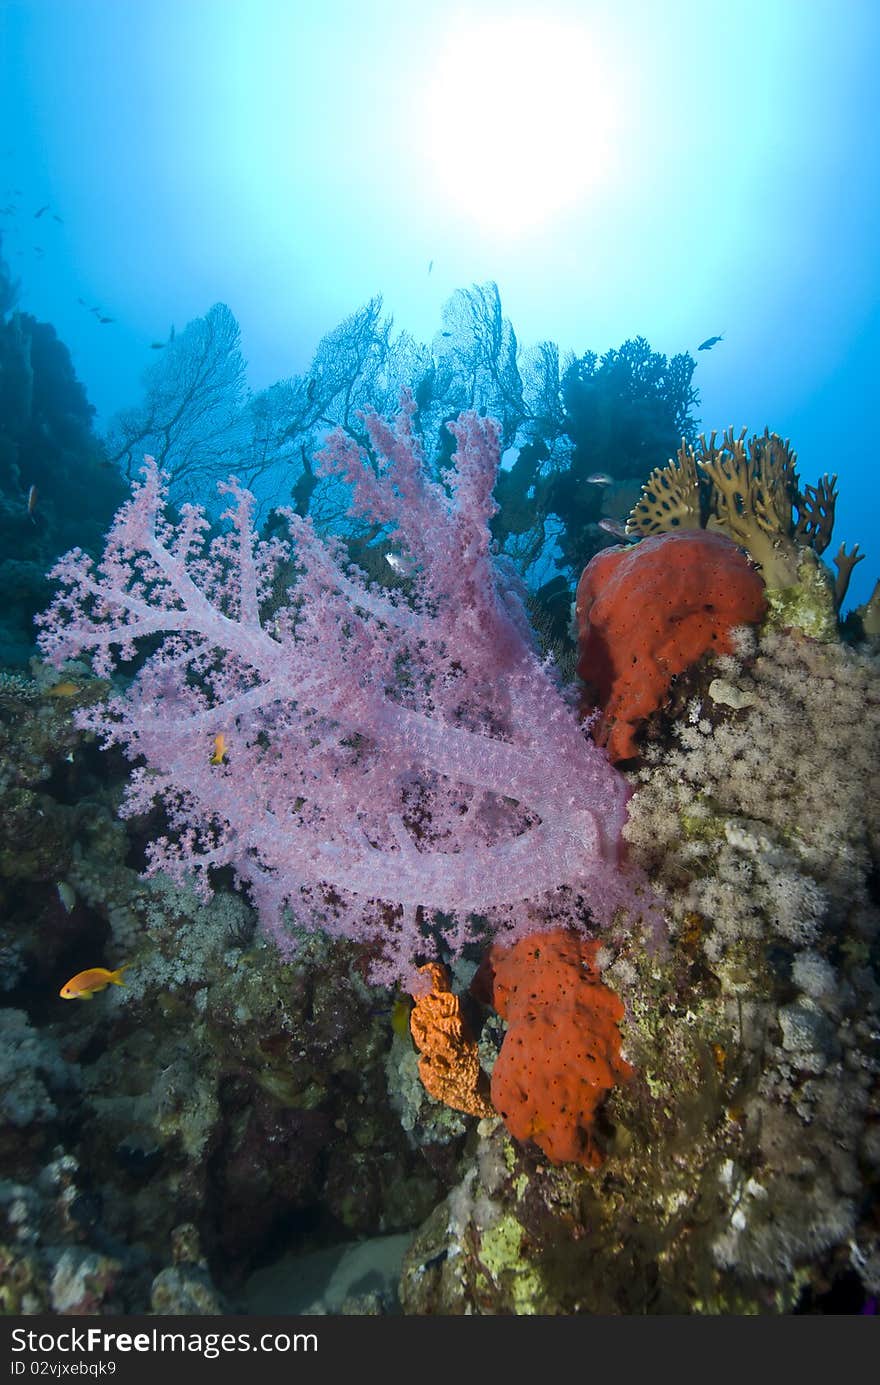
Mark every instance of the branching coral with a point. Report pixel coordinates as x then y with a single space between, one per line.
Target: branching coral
869 614
670 498
751 491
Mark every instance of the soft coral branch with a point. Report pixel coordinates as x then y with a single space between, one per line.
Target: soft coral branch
385 756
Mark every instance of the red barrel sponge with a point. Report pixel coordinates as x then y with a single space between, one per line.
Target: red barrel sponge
648 612
561 1052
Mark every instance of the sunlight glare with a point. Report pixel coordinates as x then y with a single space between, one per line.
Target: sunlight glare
518 123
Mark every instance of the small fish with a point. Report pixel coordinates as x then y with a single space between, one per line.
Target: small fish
56 217
63 689
709 343
33 493
157 346
614 527
400 1013
38 214
599 478
86 983
404 567
106 319
67 895
430 265
218 754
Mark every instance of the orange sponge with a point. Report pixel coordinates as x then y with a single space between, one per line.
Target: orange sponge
450 1065
647 613
561 1052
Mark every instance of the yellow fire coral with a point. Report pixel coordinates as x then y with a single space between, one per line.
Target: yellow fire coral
449 1066
749 490
670 498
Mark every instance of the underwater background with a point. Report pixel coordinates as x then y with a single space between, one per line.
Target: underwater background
439 868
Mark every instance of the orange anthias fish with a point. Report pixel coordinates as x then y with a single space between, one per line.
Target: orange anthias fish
84 985
219 755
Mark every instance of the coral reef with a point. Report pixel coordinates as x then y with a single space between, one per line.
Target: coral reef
743 1155
249 1096
762 824
220 1083
692 1127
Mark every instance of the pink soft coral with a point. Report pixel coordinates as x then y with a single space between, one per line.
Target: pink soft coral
384 757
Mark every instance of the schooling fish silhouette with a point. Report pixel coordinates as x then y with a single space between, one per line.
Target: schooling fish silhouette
709 343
